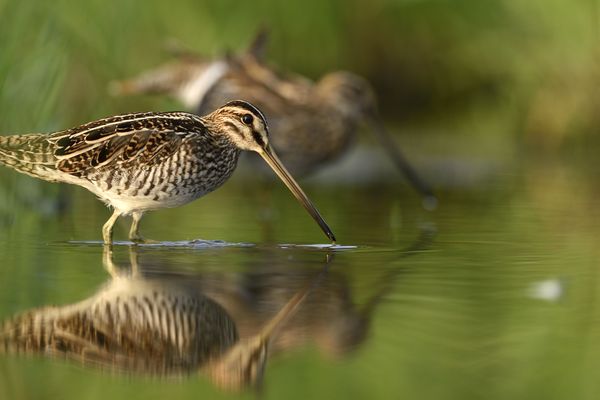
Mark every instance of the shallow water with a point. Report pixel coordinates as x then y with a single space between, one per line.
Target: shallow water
493 295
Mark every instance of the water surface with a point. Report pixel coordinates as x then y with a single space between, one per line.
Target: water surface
493 295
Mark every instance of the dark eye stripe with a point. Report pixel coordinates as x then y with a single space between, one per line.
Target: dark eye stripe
249 107
258 138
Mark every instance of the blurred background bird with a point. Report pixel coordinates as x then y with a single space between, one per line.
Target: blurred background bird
313 123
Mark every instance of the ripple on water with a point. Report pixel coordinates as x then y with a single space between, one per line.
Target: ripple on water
202 243
195 243
326 246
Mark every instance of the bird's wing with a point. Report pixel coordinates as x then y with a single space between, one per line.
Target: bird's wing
145 138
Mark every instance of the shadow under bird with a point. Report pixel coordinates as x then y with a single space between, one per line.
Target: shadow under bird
147 161
313 122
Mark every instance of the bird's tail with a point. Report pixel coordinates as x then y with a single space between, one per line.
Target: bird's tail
30 154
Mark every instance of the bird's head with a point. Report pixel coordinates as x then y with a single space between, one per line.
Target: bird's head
242 124
349 93
353 98
245 127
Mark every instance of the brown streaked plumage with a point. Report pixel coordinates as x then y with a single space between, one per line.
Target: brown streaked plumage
314 122
147 161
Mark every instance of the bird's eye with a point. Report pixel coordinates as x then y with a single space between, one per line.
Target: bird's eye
247 119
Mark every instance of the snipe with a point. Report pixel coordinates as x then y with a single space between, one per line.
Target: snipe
147 161
314 122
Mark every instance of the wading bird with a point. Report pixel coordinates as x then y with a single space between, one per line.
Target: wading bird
147 161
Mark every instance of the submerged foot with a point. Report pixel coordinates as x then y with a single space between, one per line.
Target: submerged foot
141 240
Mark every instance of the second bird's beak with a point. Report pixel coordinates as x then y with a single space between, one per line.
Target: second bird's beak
271 158
428 198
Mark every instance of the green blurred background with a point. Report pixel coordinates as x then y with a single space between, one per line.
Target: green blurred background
526 70
496 100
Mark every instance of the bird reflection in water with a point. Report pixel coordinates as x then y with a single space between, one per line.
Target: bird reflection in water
165 322
156 325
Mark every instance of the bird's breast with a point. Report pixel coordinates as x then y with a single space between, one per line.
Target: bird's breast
191 172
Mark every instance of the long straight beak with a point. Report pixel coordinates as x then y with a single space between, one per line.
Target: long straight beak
429 199
271 158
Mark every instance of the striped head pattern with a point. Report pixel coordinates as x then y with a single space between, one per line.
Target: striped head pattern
243 124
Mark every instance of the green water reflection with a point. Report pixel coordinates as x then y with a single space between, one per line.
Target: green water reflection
499 302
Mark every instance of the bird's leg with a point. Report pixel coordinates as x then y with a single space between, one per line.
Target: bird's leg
107 228
134 234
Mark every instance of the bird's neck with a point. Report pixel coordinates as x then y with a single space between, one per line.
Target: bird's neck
215 131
